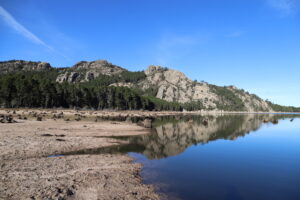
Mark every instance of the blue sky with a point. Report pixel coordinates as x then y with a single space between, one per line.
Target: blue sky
252 44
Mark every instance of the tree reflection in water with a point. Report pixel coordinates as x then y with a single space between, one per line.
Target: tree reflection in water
173 134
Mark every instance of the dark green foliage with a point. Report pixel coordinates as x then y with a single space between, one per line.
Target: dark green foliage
229 101
102 80
151 91
132 77
125 77
279 108
194 105
164 105
39 90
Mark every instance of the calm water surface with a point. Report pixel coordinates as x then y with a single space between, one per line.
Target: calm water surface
232 157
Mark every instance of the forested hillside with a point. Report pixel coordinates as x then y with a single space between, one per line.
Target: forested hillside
39 89
102 85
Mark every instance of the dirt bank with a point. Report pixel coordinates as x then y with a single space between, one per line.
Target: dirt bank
26 171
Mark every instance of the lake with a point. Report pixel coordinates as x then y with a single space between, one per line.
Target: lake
230 157
218 157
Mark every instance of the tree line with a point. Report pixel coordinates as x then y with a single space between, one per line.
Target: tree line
228 100
279 108
39 90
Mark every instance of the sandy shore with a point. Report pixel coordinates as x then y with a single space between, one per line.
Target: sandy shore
26 171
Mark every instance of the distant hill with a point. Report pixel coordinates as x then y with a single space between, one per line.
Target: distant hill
102 85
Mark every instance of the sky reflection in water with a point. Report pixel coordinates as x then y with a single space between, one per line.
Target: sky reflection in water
233 157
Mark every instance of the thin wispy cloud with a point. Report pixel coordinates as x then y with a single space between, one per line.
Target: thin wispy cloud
14 24
286 7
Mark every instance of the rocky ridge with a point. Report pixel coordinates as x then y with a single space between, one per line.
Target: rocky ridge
167 84
173 85
87 71
21 65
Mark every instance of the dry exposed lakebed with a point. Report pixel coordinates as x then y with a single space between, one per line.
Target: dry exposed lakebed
31 166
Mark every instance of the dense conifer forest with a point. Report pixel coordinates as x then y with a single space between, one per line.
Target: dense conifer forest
39 90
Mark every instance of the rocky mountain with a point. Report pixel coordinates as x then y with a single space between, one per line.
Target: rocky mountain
87 71
174 86
163 83
21 65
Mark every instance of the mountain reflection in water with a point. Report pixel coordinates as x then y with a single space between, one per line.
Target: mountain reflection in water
173 134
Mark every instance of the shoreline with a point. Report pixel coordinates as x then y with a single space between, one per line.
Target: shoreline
141 112
26 171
